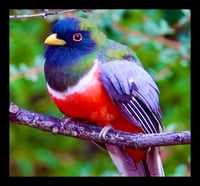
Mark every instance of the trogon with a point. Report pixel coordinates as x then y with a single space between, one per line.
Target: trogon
95 79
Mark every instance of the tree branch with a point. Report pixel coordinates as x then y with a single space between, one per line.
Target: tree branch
161 39
30 72
47 12
87 131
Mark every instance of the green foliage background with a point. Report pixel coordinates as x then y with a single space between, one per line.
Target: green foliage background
161 40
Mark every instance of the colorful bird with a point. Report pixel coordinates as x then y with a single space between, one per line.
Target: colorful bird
95 79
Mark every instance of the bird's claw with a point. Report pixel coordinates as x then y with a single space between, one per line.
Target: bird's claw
104 131
66 119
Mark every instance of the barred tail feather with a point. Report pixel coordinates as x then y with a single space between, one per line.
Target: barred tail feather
151 166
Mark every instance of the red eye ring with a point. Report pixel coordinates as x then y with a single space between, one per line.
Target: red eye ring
77 37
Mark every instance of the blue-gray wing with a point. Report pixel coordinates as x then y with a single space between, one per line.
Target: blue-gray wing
134 92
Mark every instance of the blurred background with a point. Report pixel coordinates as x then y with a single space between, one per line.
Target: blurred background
161 40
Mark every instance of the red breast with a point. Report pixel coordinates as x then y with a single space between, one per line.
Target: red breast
91 103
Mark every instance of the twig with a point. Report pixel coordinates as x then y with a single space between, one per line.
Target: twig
181 22
33 71
167 42
90 132
162 73
47 12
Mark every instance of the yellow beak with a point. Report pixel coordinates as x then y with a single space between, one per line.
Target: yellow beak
53 40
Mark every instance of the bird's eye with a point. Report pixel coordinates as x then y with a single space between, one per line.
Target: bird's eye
77 37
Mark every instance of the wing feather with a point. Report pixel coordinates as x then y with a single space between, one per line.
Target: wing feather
134 92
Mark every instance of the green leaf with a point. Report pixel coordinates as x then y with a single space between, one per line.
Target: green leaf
25 167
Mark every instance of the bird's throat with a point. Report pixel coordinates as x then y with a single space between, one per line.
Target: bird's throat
80 86
63 74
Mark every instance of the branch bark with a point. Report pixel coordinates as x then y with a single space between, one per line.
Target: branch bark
47 12
87 131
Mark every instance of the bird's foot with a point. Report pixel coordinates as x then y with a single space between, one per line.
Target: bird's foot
104 131
65 119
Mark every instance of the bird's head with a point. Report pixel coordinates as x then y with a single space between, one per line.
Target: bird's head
71 50
75 34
